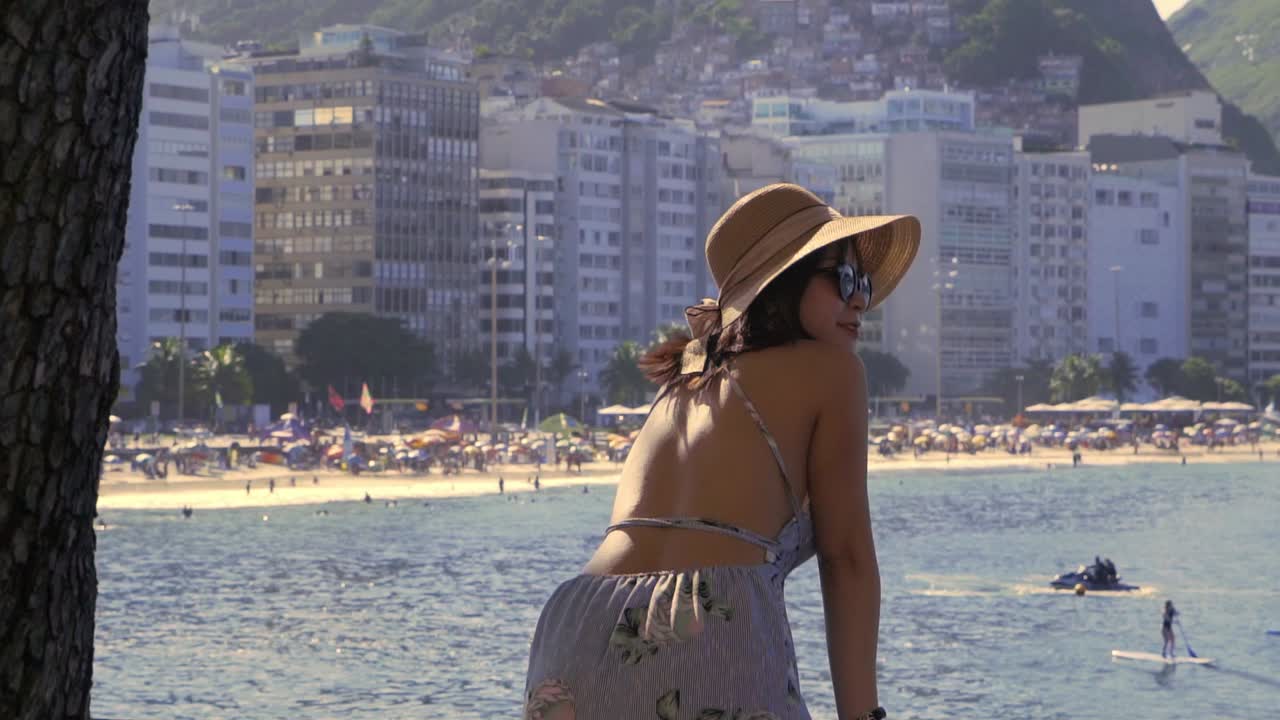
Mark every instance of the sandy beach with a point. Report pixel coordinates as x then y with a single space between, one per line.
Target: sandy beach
121 488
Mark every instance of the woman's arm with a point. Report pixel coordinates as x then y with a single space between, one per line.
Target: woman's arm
842 522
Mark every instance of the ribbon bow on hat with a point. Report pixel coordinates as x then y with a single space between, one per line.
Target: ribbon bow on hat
703 319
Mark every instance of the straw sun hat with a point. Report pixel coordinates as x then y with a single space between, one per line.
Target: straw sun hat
768 231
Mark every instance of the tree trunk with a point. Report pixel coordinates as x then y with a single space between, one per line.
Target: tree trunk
71 76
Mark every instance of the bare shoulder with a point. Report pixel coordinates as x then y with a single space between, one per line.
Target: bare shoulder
825 365
817 370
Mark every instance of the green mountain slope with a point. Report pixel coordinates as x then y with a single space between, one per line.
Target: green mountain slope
1237 45
1128 51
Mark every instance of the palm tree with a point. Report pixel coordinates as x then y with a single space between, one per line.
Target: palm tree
517 375
1075 378
1122 376
471 371
221 375
1272 388
158 381
885 373
558 370
1165 376
622 377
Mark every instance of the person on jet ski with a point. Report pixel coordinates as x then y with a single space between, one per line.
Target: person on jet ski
1111 571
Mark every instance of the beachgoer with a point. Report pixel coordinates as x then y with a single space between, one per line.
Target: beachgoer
248 484
271 485
501 484
1170 648
537 484
744 471
367 499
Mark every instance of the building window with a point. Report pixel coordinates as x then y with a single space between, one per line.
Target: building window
177 232
1148 236
235 115
179 92
233 172
1105 344
1150 310
179 120
1148 346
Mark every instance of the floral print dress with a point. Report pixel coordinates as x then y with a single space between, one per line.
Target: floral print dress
706 644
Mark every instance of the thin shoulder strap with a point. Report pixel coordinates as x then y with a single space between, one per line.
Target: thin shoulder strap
768 436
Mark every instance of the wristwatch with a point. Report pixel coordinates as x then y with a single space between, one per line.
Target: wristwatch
876 714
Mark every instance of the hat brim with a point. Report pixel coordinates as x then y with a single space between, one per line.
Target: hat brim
886 247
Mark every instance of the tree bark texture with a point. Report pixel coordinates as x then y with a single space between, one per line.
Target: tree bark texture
71 74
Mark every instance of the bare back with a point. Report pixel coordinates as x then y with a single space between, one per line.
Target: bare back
701 454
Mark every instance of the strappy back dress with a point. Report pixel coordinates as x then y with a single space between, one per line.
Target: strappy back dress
707 644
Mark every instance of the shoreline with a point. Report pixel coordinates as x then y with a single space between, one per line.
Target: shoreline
121 489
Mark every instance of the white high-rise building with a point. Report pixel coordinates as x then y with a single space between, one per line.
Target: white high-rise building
518 226
1264 278
1139 269
1211 213
951 320
636 194
1051 255
186 267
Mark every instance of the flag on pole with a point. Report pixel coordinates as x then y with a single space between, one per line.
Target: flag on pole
217 398
336 400
366 400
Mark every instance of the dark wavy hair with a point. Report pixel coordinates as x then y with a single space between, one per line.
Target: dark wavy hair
772 319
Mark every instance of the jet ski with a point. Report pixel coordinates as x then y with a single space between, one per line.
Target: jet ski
1092 577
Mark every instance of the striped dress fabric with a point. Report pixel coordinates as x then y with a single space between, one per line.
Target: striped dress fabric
706 644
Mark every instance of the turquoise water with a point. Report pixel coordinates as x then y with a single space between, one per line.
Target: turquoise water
426 611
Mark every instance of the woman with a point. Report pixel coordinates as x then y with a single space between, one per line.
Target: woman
752 460
1170 648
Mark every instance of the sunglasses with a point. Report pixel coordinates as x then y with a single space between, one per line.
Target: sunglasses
851 281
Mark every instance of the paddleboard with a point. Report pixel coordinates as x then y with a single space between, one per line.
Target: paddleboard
1273 632
1152 657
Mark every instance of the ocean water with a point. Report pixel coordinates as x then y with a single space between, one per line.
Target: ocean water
425 610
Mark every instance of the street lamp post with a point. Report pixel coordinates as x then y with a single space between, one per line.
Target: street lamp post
582 396
536 259
493 326
1019 378
941 285
493 338
1115 293
183 208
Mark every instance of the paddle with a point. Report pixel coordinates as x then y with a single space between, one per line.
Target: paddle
1185 639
